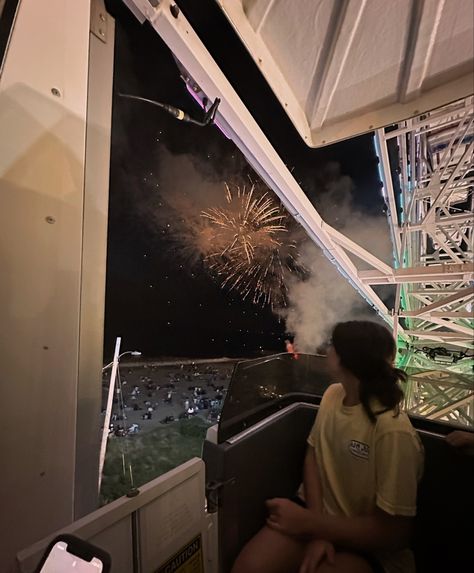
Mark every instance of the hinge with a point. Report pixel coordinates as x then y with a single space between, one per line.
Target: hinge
99 20
212 493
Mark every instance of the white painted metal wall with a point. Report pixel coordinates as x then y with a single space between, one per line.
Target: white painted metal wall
53 217
143 532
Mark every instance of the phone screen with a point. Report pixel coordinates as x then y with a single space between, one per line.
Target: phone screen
60 560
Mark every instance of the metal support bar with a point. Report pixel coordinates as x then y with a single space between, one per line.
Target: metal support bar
461 294
459 404
434 273
108 409
387 182
359 251
455 314
440 336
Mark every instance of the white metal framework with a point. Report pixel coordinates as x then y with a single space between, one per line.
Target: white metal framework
429 181
440 392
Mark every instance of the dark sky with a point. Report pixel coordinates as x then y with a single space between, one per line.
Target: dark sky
157 303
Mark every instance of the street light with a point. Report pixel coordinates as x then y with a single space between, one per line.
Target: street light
110 397
131 352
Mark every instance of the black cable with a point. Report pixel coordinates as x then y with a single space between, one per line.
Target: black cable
179 113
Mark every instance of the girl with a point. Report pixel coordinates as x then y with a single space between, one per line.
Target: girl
361 472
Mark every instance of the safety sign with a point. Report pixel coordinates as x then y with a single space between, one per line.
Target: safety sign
187 560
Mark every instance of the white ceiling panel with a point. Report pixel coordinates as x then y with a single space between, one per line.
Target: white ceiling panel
344 67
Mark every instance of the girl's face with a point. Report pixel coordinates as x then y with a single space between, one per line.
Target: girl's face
332 359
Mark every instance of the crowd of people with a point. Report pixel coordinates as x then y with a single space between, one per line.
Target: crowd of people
168 393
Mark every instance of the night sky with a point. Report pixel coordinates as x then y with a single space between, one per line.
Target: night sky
154 300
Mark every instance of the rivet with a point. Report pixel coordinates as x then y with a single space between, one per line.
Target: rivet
102 16
55 92
50 220
101 32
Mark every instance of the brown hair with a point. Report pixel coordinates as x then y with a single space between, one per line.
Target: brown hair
367 350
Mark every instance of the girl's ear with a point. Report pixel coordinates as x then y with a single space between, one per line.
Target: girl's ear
333 359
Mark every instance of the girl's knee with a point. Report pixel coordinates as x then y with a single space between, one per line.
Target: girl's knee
346 563
246 564
269 552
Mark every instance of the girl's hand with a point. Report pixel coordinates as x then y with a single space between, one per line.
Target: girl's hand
459 439
315 553
289 518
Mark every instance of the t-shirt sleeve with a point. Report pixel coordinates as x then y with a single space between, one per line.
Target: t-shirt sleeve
311 440
398 458
327 398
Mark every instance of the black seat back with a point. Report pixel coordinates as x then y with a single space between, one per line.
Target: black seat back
266 463
443 527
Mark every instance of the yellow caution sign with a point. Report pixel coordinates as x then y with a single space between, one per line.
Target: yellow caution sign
187 560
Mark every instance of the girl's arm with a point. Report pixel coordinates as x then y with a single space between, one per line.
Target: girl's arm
312 482
367 533
379 530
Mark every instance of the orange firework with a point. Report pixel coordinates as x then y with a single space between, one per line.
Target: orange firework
246 244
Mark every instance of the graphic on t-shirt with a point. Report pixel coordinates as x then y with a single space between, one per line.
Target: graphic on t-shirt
359 449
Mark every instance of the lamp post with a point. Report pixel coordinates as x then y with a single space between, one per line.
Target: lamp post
110 399
132 352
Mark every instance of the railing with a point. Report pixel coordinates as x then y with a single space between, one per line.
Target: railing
262 386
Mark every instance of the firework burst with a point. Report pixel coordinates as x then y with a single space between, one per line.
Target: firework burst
247 245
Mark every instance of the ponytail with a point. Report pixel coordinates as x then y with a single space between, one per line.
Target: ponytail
384 387
366 349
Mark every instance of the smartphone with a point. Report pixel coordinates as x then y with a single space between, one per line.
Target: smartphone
69 554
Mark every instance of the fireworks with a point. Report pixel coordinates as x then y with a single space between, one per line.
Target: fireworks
247 245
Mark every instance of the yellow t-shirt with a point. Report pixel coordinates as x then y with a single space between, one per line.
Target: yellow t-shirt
363 465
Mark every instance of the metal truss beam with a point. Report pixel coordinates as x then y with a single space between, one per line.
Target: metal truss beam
440 336
434 273
442 314
440 413
465 293
445 222
440 391
434 199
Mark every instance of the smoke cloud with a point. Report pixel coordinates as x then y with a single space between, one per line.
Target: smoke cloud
325 298
184 188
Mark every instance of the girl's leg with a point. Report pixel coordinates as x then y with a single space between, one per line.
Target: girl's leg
346 563
270 552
